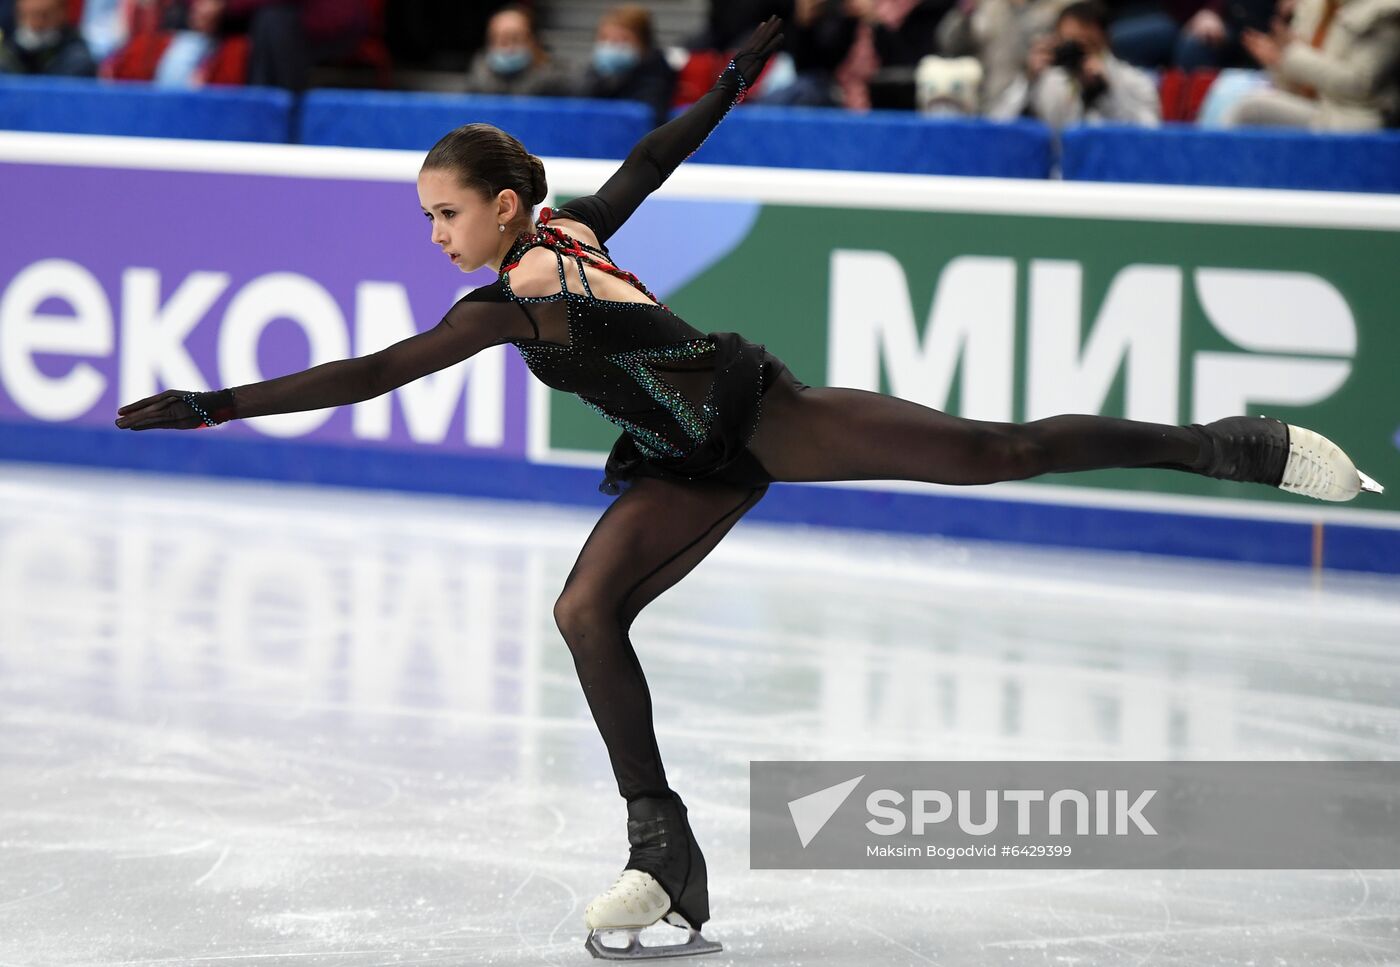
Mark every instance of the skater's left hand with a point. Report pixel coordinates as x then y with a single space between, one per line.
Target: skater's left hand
164 411
753 55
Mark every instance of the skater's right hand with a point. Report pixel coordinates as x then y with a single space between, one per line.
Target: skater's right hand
164 411
753 55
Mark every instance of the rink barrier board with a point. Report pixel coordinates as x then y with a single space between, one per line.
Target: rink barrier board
78 106
1183 154
1128 517
184 460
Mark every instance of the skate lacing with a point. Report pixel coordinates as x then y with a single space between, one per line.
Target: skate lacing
1308 472
1319 468
635 899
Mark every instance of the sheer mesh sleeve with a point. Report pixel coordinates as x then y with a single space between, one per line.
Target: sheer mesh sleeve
654 158
482 318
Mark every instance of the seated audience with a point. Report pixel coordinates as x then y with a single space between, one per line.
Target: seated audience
1144 32
1212 37
288 37
626 63
820 34
999 34
728 23
43 42
888 34
190 55
1071 77
1335 66
513 62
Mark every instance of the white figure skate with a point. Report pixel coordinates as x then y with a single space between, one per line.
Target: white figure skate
659 833
633 903
1292 458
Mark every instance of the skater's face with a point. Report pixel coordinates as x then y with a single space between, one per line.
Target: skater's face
465 224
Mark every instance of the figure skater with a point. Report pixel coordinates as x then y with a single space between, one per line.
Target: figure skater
708 420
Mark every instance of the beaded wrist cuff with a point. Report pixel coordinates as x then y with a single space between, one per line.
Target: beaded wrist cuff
211 408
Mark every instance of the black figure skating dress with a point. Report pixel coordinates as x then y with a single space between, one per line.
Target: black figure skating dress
687 401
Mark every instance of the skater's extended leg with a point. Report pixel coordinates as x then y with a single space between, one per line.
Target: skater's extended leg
832 433
650 537
848 434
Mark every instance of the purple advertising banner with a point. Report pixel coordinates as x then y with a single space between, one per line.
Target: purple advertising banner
119 283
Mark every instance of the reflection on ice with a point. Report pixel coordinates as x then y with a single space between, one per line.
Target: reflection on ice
283 725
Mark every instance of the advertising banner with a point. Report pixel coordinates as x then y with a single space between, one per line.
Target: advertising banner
129 265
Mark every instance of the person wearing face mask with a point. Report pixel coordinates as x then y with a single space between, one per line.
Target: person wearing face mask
626 64
513 62
43 42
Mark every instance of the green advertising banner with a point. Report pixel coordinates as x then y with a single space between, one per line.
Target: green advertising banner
1014 301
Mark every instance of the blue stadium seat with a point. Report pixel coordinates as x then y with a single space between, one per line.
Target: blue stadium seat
83 106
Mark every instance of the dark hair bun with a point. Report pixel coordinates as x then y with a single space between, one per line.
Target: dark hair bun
539 185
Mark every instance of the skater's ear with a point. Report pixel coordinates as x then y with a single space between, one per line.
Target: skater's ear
508 206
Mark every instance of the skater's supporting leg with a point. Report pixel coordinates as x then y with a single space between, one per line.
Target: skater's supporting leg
650 537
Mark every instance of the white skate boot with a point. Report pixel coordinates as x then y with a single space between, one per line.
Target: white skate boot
1292 458
633 903
1318 468
659 833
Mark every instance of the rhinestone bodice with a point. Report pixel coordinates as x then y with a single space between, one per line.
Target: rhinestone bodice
617 354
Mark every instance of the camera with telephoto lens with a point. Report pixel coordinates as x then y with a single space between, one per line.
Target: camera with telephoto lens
1069 54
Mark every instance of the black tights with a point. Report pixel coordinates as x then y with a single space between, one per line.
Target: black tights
657 531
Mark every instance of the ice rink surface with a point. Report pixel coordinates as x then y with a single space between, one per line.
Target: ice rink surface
250 725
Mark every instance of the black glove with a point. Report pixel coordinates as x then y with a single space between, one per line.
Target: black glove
752 56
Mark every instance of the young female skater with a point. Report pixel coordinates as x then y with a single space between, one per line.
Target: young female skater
709 420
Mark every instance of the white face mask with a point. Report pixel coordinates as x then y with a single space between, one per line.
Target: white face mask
31 39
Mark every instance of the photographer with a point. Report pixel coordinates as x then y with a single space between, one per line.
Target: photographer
1071 77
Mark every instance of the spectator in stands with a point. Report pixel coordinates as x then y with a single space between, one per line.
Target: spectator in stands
513 62
290 36
728 23
1144 32
999 34
437 35
43 42
626 64
188 54
1336 66
1212 36
891 36
105 26
1072 77
819 36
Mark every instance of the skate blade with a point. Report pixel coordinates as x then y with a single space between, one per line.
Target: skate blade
692 946
1369 485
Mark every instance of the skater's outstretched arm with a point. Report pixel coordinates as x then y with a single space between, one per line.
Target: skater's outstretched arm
484 317
659 153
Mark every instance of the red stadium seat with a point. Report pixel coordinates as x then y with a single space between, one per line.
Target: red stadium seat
698 75
1182 93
